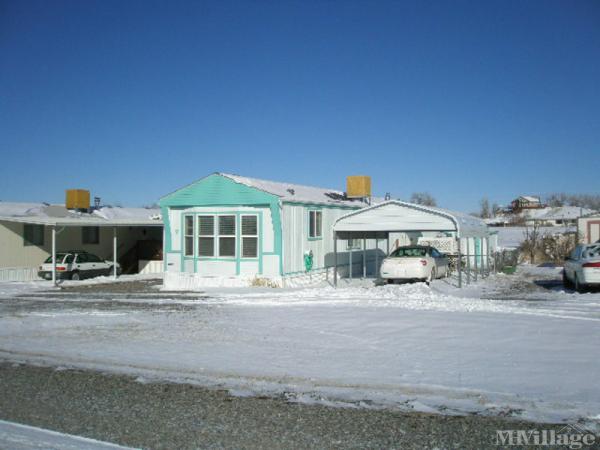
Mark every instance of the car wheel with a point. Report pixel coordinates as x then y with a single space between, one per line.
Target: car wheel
109 271
566 282
578 286
432 275
75 276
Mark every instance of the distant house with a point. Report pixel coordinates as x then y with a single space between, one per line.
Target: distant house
526 202
589 228
29 232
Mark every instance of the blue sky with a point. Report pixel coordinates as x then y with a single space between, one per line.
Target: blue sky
133 99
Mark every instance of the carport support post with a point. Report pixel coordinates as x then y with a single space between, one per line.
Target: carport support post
335 258
468 264
387 252
115 252
459 264
487 255
475 262
364 257
54 255
350 261
376 257
482 259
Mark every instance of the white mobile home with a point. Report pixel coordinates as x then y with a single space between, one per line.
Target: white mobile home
229 230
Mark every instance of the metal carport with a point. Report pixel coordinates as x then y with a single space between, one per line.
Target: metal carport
379 221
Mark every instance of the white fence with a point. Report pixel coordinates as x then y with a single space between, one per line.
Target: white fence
19 274
145 266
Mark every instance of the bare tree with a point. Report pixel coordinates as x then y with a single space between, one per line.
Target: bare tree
532 241
495 209
423 198
590 201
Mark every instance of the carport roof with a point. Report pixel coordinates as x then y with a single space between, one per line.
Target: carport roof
396 216
58 215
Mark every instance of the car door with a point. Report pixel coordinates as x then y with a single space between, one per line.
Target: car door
440 262
97 267
82 265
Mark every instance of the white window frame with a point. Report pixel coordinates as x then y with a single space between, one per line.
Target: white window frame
310 220
242 236
213 236
185 236
234 236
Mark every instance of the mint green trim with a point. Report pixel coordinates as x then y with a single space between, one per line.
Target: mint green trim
219 191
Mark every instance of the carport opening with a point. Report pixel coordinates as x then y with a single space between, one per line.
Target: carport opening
364 238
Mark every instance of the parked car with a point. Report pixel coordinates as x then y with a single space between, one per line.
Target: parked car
582 267
77 265
415 262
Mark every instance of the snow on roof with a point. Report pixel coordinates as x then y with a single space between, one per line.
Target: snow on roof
565 213
119 213
46 214
556 213
465 224
296 192
21 209
530 198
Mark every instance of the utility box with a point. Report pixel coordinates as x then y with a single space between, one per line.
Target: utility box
358 186
77 199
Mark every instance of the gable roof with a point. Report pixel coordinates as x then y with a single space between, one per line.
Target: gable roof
290 192
208 189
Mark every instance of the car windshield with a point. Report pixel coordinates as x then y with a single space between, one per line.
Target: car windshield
409 252
59 258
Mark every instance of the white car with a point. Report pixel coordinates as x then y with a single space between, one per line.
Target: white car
582 267
416 262
77 265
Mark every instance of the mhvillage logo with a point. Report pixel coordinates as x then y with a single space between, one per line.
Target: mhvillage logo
570 436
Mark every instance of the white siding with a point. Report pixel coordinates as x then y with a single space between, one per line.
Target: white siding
15 254
175 226
296 241
216 268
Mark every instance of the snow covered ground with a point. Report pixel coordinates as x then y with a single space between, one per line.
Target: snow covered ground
511 345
